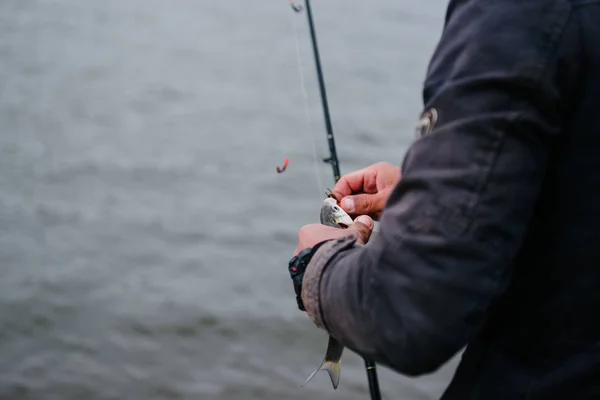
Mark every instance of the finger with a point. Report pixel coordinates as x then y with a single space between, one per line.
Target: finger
361 181
349 184
362 227
368 204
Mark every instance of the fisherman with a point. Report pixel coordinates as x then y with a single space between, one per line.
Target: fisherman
489 234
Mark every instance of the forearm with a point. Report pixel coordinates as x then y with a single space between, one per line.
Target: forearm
414 295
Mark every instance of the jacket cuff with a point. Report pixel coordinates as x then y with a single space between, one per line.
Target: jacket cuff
314 271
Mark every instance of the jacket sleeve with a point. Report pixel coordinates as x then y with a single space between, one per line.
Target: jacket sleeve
420 289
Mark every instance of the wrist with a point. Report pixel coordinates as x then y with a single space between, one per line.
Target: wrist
297 267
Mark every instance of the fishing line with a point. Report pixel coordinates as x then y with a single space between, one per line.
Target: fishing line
333 159
306 109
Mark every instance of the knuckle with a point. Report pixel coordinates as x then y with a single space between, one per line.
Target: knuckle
362 234
361 227
365 203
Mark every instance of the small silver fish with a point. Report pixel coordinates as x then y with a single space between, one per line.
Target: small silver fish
331 362
332 215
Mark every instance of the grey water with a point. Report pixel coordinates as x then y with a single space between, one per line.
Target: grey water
144 232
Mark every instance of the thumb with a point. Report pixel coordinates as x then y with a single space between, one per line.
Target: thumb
366 204
362 228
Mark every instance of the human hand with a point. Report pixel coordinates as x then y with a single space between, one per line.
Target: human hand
310 235
366 191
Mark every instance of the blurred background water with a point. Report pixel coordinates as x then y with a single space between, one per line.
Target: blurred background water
144 233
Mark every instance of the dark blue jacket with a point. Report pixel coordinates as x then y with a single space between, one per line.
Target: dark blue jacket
492 237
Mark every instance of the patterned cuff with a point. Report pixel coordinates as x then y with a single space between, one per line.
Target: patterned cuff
312 276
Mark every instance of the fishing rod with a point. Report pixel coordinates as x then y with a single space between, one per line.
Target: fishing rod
333 158
335 165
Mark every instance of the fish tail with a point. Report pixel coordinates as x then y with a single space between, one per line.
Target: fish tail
332 368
